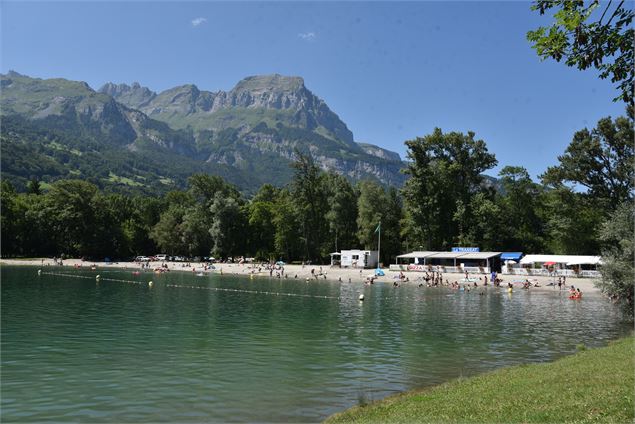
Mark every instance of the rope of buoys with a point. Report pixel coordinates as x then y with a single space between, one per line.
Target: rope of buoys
220 289
150 284
223 289
97 277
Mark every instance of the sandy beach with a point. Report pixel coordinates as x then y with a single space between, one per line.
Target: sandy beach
586 285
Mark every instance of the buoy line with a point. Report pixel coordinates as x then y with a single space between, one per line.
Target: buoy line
358 295
220 289
93 278
253 291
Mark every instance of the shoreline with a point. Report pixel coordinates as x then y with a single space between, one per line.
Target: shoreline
303 272
595 375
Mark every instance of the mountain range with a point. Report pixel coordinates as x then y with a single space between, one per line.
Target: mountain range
132 139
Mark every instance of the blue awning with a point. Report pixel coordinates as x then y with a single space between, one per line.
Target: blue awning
511 256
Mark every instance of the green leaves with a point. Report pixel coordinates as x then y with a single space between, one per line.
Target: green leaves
618 269
601 160
605 44
445 173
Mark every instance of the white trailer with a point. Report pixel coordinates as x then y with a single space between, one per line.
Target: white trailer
359 258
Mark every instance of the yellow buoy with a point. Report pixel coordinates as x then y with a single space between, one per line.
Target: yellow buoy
150 284
509 290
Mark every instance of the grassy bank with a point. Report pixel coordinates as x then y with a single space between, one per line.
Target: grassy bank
590 386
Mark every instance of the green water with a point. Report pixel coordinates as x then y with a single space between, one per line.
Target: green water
74 349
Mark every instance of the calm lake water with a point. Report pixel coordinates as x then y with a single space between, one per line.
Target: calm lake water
77 350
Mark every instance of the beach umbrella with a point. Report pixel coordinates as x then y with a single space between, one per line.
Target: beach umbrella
549 263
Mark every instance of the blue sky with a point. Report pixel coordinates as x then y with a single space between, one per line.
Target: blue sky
392 71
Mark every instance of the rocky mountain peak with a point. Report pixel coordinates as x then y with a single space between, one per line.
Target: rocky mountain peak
134 94
269 83
264 96
14 74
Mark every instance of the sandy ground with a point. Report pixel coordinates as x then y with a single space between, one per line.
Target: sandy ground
303 272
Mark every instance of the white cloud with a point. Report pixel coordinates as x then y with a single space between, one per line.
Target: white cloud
307 36
198 21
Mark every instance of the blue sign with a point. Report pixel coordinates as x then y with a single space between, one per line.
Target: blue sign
466 249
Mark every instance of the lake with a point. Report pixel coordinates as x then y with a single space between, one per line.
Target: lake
218 348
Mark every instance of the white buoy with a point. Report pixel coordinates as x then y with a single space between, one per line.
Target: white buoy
39 272
150 284
98 277
361 297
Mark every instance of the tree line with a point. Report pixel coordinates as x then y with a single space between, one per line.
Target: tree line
445 202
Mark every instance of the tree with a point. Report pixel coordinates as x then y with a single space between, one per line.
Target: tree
372 198
288 231
10 219
109 239
261 211
146 212
483 227
204 187
34 186
228 226
342 214
520 228
583 40
571 222
195 231
618 272
167 232
600 160
392 216
310 199
445 173
37 234
69 206
375 205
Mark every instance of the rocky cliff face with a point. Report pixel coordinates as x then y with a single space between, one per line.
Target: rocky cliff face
274 97
263 116
379 152
129 94
250 133
73 106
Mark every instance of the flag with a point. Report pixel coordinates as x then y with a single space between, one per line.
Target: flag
378 227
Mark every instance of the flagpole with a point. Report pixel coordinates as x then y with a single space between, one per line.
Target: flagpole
379 246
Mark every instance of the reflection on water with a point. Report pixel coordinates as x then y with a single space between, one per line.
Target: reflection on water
80 350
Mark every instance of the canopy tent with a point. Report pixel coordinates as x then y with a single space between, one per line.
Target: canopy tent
455 257
586 260
413 255
479 255
561 259
446 255
511 256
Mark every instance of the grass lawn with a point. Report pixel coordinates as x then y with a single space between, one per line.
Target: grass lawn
596 385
